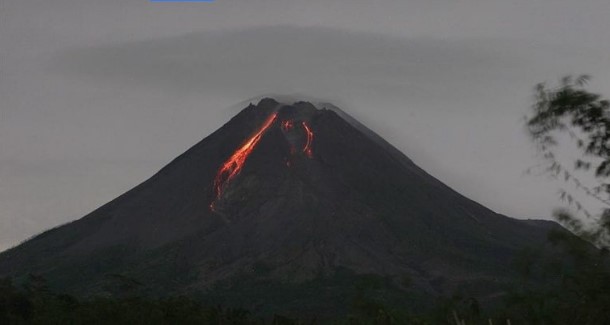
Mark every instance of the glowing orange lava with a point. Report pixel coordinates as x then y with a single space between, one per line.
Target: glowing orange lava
287 125
307 149
235 163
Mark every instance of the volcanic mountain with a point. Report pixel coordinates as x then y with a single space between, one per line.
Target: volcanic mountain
287 206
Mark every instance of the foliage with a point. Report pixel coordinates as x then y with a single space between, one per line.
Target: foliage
579 295
34 303
579 292
584 116
33 306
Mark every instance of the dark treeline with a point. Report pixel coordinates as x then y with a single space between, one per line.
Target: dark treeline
579 294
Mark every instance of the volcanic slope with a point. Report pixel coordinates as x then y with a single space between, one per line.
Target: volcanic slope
285 207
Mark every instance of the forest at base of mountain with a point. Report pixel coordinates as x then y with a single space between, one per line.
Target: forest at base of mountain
579 296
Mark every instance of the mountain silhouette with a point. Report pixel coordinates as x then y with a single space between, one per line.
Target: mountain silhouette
286 207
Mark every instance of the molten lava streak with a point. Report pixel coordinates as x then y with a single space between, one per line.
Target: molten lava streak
235 163
307 149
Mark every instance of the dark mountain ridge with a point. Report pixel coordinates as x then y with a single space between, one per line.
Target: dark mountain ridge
288 198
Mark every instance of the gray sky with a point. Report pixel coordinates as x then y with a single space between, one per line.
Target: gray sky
97 95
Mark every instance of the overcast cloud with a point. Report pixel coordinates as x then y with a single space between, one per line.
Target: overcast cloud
95 96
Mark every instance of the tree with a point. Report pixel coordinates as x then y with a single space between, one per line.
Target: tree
569 109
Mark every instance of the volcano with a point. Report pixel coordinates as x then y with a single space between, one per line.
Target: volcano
290 207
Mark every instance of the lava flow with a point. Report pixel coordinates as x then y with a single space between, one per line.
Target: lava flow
307 149
235 163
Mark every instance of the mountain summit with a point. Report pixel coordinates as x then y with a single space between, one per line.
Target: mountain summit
291 207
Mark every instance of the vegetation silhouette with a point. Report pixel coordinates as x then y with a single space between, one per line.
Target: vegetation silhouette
570 109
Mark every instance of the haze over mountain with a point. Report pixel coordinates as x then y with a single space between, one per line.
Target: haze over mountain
285 207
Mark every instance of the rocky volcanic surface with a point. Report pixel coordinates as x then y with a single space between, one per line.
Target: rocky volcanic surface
292 207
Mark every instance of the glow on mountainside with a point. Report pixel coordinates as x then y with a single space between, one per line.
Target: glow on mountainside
307 149
235 163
